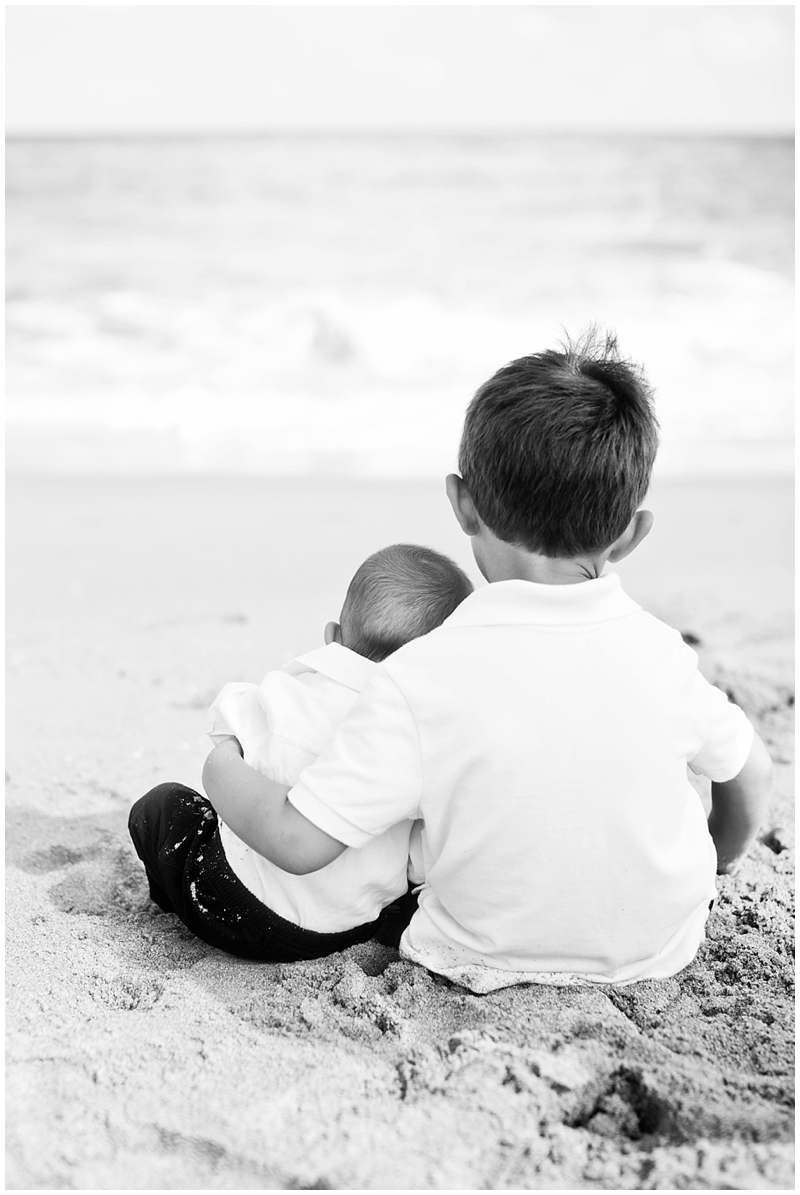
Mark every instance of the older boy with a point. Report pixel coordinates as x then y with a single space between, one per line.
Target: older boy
543 733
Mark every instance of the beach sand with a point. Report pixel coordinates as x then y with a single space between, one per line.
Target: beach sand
140 1059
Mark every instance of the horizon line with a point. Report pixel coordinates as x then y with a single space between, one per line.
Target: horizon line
388 132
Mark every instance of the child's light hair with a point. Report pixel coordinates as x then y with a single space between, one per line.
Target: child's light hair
398 594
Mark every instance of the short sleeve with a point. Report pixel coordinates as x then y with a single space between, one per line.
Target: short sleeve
726 734
235 711
369 777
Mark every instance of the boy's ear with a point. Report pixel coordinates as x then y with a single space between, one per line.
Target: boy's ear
632 536
333 633
462 504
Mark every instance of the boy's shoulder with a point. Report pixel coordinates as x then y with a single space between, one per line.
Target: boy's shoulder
514 607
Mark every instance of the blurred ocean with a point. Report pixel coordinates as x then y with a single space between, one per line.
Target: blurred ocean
329 304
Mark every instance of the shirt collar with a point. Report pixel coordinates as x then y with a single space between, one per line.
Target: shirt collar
527 602
340 664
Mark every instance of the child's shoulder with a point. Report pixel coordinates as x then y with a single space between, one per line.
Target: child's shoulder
333 661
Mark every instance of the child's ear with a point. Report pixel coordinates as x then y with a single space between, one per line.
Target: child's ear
333 633
462 504
632 536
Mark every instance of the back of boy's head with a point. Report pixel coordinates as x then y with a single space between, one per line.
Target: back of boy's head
398 594
558 448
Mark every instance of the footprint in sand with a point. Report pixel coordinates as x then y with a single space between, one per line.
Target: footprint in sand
42 842
56 857
111 885
625 1105
102 878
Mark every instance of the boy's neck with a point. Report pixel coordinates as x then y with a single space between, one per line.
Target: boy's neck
506 562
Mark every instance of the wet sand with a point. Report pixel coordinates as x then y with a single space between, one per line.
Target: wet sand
140 1059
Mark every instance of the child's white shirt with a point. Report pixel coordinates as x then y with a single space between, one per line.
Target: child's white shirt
283 724
542 733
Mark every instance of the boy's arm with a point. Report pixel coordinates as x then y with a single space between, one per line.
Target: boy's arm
367 779
732 756
738 807
257 811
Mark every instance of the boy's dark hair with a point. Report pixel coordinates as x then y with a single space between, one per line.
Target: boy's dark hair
398 594
558 447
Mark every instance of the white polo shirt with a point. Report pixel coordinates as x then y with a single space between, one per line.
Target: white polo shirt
542 733
283 724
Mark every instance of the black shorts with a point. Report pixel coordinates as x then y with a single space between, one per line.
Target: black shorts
176 835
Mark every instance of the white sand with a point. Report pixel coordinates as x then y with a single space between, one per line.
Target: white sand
139 1058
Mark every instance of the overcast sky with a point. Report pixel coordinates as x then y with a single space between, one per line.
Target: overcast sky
147 68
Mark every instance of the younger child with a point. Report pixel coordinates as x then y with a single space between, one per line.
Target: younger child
544 731
222 889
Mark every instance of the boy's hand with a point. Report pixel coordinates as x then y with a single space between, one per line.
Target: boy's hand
738 807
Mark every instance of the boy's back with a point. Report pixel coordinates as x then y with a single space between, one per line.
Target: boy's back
542 734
